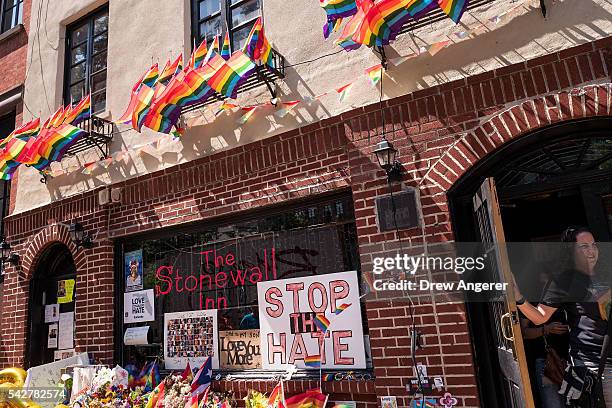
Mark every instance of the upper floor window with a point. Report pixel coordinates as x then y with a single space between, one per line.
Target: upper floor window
212 17
86 53
12 14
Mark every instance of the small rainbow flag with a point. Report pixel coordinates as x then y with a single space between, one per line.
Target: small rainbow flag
374 74
143 103
23 132
321 322
328 377
313 361
80 112
248 112
151 75
454 9
308 399
342 308
170 70
437 47
53 143
336 10
230 74
199 54
287 107
225 49
55 119
214 49
257 47
224 107
343 91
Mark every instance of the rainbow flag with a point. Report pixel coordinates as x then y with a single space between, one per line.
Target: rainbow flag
143 103
328 377
151 75
342 308
170 70
9 157
23 132
225 49
277 395
199 55
309 399
344 90
454 9
374 74
80 112
313 361
321 322
214 49
257 47
336 10
53 143
54 119
127 115
225 106
156 395
231 73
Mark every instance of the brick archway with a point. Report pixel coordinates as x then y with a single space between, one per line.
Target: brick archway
41 241
515 121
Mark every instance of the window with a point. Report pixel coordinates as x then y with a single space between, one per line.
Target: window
86 53
218 266
212 17
12 13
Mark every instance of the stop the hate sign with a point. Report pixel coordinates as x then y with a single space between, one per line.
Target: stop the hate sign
291 332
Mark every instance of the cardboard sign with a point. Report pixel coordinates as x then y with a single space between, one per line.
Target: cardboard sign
139 306
239 349
290 314
190 337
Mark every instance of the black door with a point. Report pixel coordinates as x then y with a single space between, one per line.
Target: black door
50 283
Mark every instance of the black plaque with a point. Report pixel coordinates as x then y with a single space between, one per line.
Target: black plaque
404 205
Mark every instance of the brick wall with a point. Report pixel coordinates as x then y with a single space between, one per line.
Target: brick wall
440 133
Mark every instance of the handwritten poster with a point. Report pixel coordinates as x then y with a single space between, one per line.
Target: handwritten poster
65 291
190 337
66 331
133 271
293 314
139 306
52 336
52 313
239 349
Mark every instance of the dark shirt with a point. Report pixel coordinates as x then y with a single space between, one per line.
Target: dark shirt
586 303
536 348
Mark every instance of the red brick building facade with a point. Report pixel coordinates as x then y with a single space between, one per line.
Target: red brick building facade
441 133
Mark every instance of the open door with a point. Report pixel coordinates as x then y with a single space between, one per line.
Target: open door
505 321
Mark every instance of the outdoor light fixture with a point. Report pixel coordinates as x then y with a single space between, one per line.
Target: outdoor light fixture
6 255
79 236
387 159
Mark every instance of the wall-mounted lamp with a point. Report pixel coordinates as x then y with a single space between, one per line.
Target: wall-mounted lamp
6 254
79 236
387 159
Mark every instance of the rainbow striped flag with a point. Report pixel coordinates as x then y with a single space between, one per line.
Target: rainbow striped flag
143 103
454 9
151 75
257 46
225 49
224 107
342 308
344 90
374 74
170 70
127 114
55 119
313 361
336 10
80 112
213 50
199 55
230 74
23 132
321 322
9 157
309 399
53 143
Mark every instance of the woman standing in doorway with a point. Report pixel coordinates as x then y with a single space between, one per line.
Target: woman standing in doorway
586 303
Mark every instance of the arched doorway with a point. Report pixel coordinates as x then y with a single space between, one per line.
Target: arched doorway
546 181
51 283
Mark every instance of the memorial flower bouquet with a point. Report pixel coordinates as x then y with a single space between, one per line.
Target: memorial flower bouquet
177 391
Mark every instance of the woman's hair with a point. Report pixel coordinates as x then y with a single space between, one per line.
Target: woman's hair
569 238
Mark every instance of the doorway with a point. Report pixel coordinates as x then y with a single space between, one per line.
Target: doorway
52 298
544 181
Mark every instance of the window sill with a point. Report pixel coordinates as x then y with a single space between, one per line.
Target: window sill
12 32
